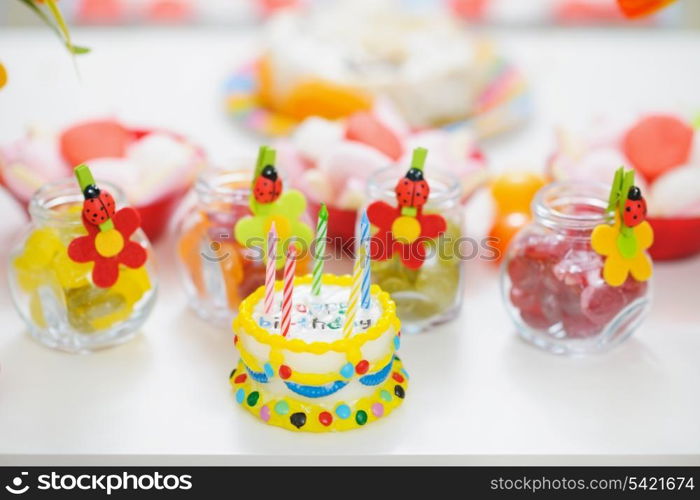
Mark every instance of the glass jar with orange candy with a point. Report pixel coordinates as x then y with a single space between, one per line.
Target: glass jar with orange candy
221 239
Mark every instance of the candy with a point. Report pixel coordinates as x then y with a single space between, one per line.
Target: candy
523 272
545 248
556 285
634 289
132 284
71 274
504 229
601 303
675 193
522 299
424 292
60 289
544 314
365 128
513 191
324 99
351 160
90 309
578 326
39 250
658 143
315 137
231 262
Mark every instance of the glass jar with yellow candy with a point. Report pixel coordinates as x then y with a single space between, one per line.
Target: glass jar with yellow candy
415 251
220 240
56 296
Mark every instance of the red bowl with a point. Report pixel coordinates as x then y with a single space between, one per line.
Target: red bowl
675 237
156 214
341 222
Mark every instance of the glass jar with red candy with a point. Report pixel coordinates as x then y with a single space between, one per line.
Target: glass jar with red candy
552 280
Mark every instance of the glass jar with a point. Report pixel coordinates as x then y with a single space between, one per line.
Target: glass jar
433 293
56 296
551 277
218 272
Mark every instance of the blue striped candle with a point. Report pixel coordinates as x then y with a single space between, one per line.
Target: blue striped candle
366 275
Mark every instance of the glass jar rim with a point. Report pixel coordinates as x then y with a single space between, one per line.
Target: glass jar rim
548 203
378 186
215 181
46 199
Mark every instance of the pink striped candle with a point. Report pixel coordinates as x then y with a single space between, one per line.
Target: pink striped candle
289 268
271 269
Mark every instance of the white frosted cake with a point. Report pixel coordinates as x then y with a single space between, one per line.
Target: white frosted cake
314 379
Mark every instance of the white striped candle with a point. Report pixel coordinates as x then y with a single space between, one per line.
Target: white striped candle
271 269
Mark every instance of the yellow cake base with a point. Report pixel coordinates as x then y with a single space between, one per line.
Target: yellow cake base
304 416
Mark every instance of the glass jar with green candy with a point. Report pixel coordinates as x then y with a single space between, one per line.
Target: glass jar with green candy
82 276
416 220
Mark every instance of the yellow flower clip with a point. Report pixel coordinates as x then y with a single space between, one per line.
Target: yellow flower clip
617 267
623 247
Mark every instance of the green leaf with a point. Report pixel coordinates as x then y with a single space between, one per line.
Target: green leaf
42 15
60 29
78 50
60 22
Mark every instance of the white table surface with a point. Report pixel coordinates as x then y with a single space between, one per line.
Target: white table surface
477 393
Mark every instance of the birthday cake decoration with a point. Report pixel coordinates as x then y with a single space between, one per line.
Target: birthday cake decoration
318 352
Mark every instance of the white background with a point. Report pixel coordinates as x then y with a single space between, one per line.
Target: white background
477 393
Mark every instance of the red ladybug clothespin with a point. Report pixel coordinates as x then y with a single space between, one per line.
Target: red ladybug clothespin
107 242
405 229
267 184
635 211
413 190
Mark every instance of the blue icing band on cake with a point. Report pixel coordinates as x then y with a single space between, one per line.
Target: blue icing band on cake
316 391
257 376
377 377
